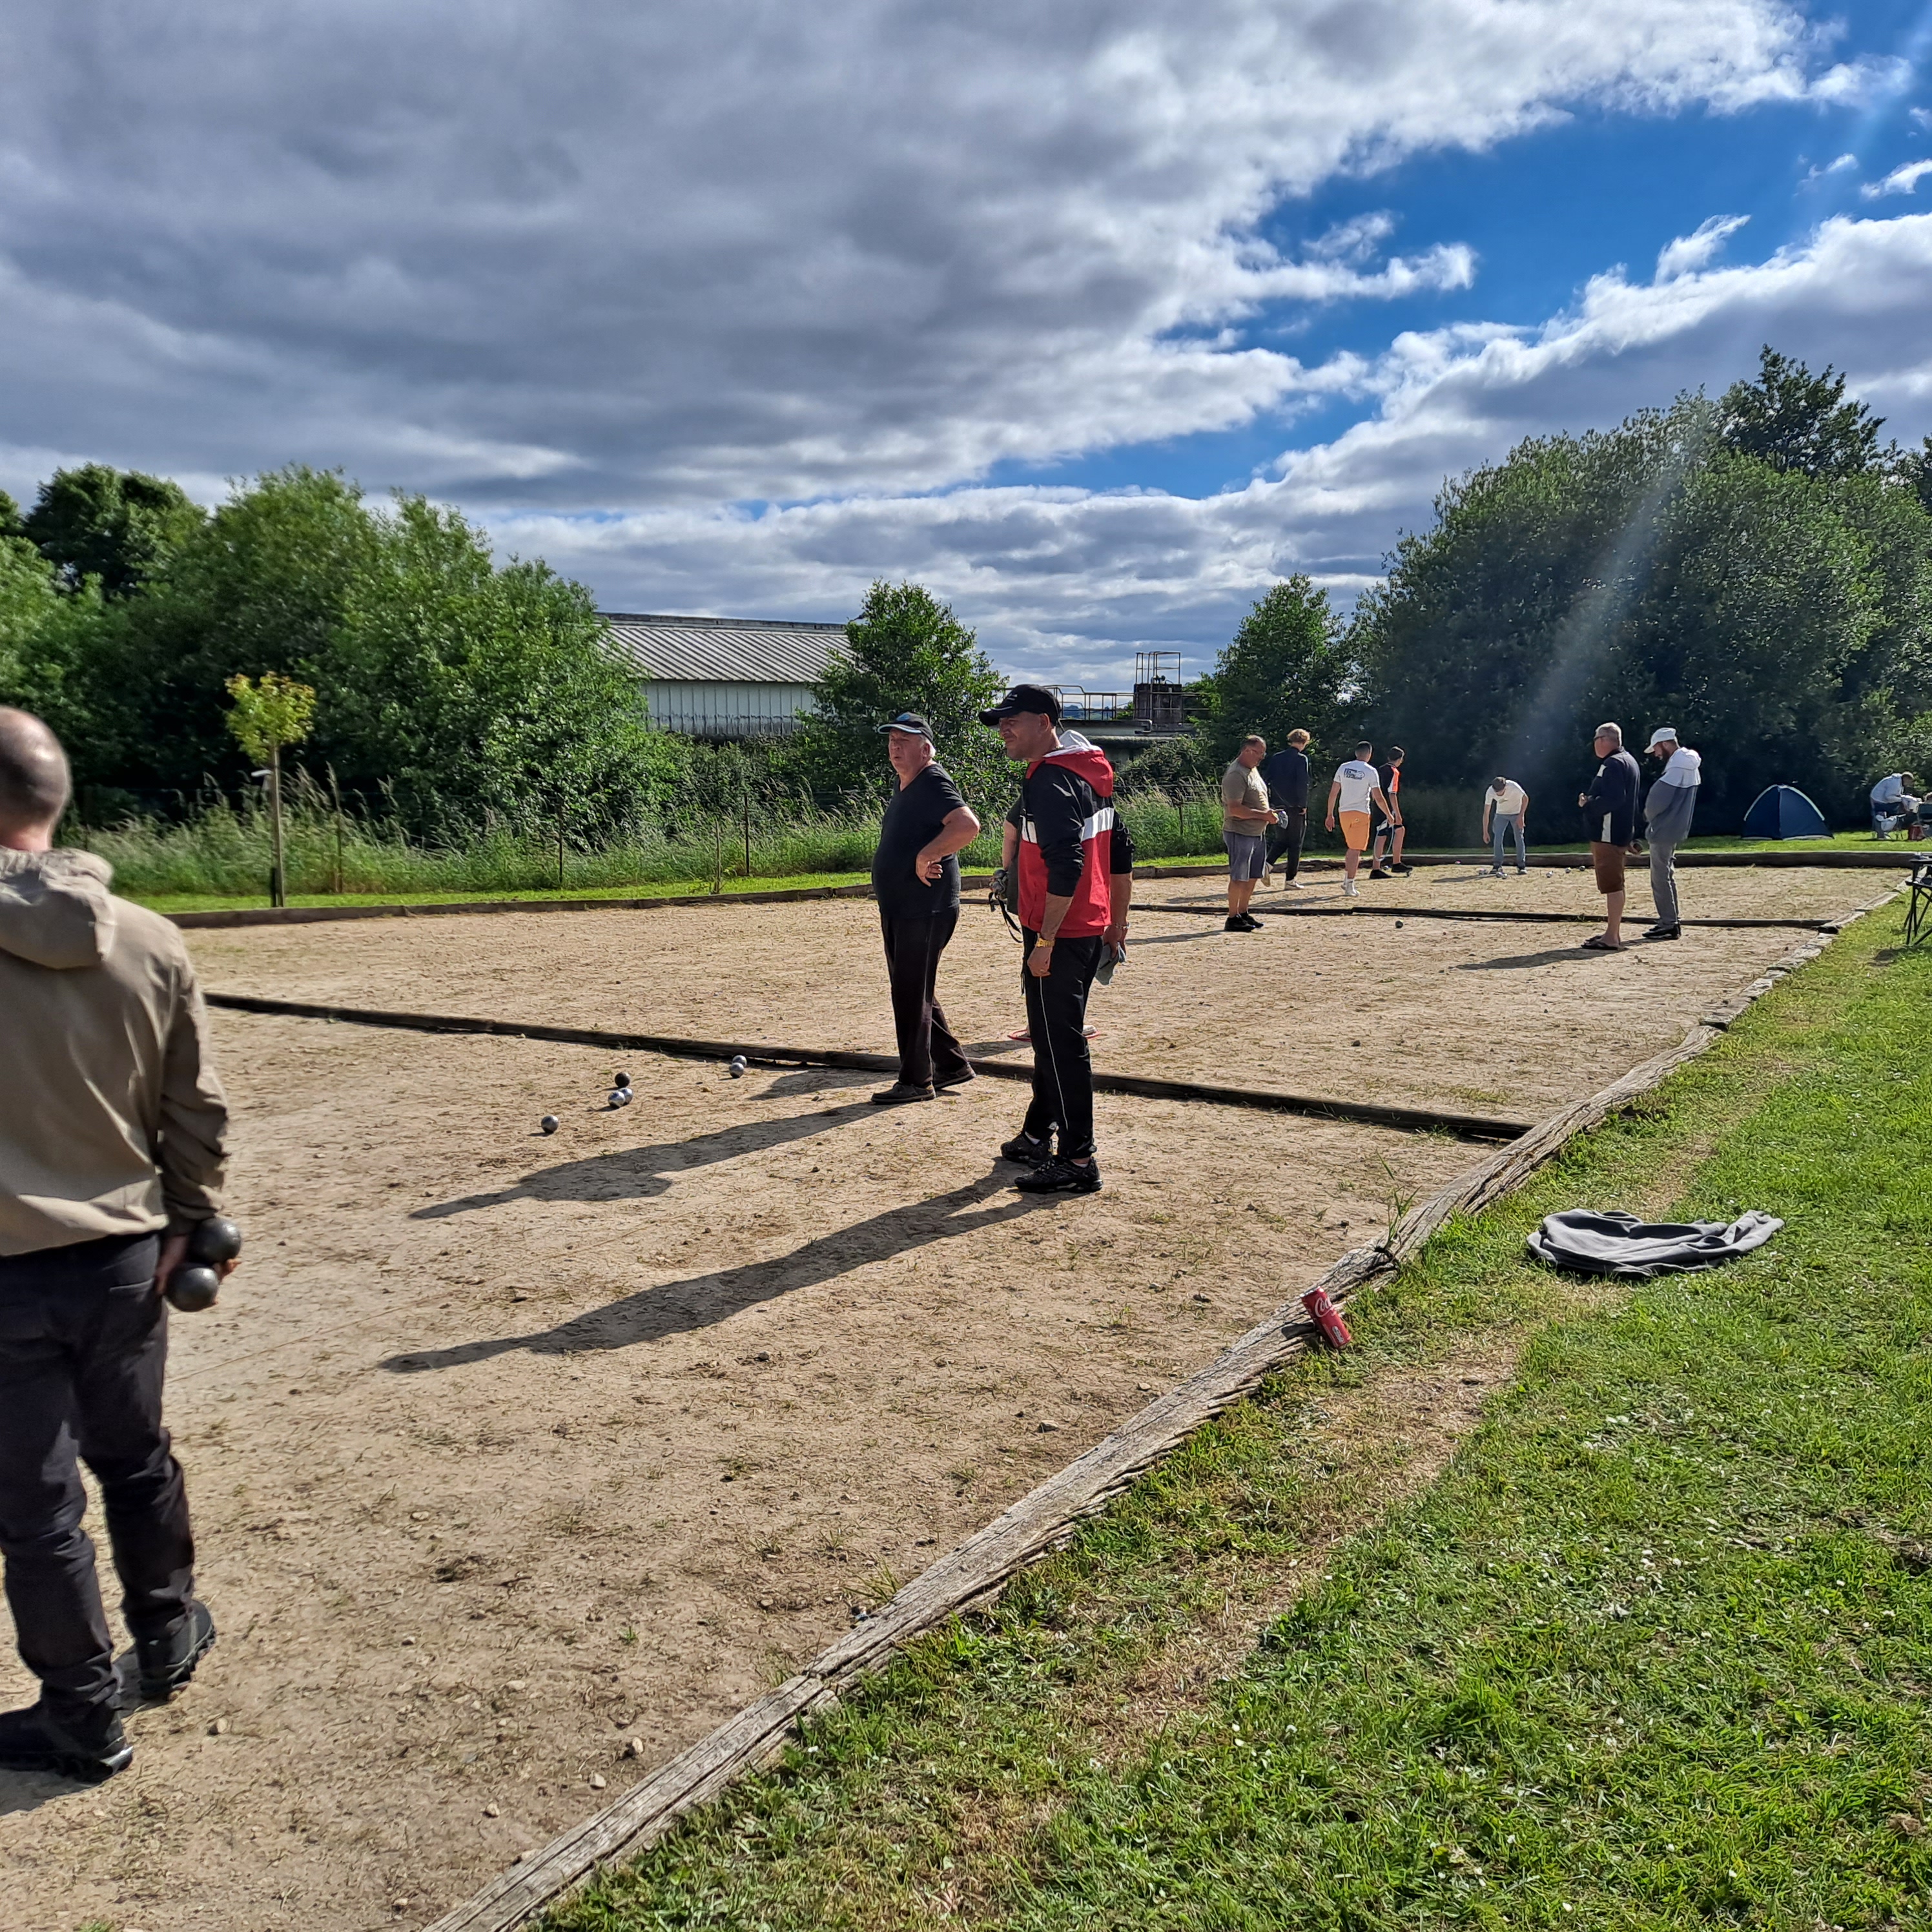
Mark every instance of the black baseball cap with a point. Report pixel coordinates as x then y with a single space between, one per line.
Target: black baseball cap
910 721
1024 697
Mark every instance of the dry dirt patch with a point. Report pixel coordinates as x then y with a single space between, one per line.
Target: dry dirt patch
504 1450
1498 1018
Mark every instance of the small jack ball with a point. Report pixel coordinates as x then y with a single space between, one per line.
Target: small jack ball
1398 925
549 1123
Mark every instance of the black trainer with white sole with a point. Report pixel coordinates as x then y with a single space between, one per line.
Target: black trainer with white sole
1062 1176
1028 1152
167 1662
89 1747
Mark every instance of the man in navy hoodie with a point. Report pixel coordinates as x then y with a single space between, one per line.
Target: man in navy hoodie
1064 852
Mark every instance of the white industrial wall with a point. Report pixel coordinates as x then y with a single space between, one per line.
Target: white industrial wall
708 710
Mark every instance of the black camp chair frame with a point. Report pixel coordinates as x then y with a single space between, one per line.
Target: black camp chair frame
1918 904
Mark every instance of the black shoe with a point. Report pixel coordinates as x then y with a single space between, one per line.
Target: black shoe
89 1747
898 1094
1249 923
1061 1177
167 1662
941 1082
1028 1152
1381 872
1665 932
1401 865
1233 923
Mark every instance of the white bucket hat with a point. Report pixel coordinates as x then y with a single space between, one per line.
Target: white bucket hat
1664 734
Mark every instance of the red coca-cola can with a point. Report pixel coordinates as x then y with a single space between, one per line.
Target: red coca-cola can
1327 1317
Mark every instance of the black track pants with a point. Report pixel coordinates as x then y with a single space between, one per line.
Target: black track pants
83 1348
1284 843
1062 1075
927 1048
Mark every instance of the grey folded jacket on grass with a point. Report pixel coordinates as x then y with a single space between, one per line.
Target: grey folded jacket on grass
1615 1242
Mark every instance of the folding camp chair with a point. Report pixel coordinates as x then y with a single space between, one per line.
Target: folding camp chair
1919 903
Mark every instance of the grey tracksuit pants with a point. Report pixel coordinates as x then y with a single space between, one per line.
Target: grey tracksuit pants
1663 879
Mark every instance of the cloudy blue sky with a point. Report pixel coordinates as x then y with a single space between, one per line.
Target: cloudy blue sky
1097 318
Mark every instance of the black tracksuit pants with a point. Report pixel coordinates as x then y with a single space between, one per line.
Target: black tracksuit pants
83 1348
927 1048
1284 842
1062 1073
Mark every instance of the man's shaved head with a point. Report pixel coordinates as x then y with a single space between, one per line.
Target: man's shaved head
34 783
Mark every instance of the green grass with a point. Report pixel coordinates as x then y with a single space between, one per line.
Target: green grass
1654 1651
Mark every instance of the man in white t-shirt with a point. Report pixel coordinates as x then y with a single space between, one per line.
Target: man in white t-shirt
1355 788
1505 810
1895 802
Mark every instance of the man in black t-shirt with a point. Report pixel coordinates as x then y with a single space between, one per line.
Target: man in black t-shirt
916 881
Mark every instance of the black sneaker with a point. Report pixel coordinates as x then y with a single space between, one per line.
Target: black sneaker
1028 1152
898 1094
1061 1177
167 1662
942 1082
1665 932
1381 872
1401 865
89 1747
1235 923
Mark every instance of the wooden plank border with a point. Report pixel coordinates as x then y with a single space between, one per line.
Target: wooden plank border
1044 1517
1369 1113
1511 915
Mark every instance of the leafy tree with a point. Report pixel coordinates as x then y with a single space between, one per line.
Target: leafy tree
1791 419
10 517
1913 469
271 713
1780 619
45 637
1288 667
119 526
905 651
447 687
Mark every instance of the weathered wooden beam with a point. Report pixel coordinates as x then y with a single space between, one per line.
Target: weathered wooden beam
1370 1113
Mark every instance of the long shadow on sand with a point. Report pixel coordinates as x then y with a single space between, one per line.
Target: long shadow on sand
636 1173
1577 955
678 1307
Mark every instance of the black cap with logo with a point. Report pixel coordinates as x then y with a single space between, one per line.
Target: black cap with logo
1024 697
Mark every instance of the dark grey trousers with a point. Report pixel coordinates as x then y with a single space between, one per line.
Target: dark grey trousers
83 1350
1664 880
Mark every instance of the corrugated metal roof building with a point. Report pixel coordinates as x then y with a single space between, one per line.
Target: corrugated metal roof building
724 677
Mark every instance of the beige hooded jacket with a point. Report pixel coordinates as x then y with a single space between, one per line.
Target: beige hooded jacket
112 1121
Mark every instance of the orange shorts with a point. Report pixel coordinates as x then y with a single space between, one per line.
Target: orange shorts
1355 831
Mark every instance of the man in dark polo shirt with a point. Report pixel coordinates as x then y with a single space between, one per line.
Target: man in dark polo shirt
1609 823
916 881
1285 774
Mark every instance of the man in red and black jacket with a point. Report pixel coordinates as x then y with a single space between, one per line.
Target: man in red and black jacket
1067 892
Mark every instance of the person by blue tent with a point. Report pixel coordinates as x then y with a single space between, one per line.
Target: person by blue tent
1784 811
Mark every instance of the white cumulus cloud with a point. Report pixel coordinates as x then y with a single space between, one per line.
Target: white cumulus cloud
1698 249
1900 180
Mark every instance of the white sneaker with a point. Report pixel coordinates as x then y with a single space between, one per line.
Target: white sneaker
1348 890
1293 885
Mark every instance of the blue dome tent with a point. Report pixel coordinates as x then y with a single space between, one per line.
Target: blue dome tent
1784 811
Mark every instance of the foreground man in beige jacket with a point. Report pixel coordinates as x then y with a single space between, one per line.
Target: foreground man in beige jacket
112 1129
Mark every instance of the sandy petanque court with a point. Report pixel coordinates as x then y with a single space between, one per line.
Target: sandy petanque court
518 1462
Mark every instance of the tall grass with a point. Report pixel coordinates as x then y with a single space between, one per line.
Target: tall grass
223 850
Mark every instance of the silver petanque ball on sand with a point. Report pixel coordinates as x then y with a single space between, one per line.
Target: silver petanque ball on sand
549 1123
737 1068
